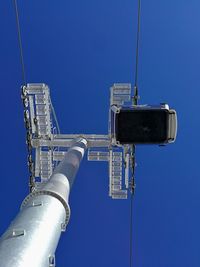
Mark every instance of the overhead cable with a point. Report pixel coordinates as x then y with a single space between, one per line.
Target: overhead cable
137 53
20 41
135 99
22 59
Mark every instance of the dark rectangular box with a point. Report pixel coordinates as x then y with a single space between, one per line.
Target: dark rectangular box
141 126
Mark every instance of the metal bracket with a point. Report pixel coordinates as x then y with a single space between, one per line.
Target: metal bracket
52 261
15 233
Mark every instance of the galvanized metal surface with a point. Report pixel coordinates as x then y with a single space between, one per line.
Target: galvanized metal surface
68 142
32 237
34 234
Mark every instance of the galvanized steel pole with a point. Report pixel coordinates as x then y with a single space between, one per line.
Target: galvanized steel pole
32 238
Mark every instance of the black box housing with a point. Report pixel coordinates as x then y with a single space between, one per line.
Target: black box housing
141 126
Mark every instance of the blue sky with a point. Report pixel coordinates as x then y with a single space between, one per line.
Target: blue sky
80 48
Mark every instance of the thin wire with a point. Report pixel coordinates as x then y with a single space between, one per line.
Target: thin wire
132 185
131 230
137 45
132 190
20 42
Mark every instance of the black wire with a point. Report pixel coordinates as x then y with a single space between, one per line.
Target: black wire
132 190
137 45
20 42
131 230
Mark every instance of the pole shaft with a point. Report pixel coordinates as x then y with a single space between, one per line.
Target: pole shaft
32 237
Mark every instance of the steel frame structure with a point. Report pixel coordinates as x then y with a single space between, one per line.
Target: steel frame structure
47 147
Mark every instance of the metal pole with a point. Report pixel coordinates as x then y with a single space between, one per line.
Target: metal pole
32 237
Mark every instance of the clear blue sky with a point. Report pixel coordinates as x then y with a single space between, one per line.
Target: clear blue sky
80 48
